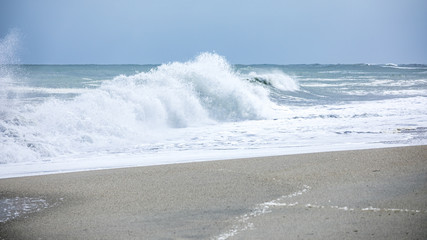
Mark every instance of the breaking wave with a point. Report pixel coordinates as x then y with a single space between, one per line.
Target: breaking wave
129 110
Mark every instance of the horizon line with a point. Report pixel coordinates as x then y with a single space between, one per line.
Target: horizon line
246 64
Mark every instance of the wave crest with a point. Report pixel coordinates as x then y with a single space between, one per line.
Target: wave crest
130 110
204 88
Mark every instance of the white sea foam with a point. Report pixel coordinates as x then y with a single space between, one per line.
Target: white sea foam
410 92
130 110
207 85
202 109
11 208
371 83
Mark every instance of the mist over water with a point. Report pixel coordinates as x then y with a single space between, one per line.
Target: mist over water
76 117
8 48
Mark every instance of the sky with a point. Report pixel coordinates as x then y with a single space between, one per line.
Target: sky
243 31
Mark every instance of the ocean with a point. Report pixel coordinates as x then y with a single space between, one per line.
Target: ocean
64 118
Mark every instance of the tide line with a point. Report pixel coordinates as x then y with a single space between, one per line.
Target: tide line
244 223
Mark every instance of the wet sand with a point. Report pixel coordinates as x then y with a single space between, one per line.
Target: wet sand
366 194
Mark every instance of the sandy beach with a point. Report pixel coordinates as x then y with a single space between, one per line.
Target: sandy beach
365 194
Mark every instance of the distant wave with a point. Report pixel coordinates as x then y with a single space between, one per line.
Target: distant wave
276 79
405 66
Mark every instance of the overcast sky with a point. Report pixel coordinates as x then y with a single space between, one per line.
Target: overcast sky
244 31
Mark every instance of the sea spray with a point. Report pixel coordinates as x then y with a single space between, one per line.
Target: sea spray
132 110
209 88
9 46
12 143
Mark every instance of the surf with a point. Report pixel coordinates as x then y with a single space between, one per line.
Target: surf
131 110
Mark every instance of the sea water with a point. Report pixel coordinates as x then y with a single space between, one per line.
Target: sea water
61 118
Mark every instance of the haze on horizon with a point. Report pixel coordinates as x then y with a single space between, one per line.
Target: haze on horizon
245 32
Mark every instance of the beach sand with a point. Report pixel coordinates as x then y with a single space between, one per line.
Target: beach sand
366 194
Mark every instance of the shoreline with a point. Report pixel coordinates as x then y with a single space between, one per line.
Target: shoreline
106 162
376 193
